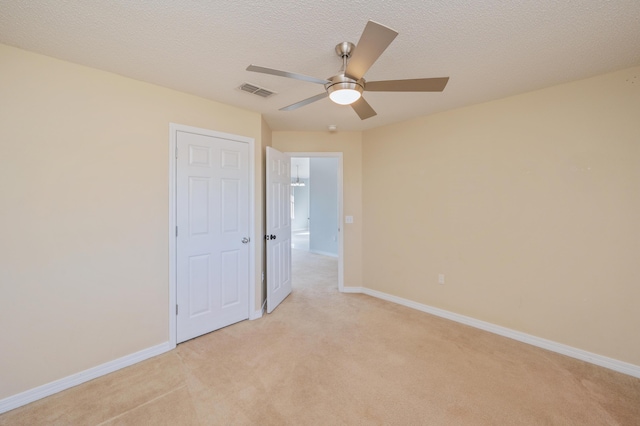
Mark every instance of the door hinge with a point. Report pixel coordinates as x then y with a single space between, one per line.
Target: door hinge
176 231
176 152
176 309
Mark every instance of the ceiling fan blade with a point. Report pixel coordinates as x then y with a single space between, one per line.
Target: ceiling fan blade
288 74
363 109
305 102
374 40
415 85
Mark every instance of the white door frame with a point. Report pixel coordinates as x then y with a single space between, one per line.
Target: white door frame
337 155
254 239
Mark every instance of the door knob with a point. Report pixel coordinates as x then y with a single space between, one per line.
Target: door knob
245 240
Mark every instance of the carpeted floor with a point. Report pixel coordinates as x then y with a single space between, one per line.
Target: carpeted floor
325 358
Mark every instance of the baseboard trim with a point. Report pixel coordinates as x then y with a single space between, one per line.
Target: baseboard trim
258 313
352 289
48 389
602 361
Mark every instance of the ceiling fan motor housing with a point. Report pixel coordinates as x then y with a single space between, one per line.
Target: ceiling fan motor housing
341 81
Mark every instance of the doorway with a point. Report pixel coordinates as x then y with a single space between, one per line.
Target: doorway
316 207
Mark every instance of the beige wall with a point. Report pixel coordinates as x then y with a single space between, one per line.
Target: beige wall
350 144
84 213
529 205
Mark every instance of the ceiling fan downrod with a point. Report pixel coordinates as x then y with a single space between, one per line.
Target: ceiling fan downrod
344 50
344 90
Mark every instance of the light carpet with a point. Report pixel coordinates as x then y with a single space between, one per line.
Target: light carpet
325 358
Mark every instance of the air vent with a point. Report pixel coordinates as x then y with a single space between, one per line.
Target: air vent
256 90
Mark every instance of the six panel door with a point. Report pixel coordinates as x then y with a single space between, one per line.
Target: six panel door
213 230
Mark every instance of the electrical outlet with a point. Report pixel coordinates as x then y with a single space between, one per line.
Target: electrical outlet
348 219
440 278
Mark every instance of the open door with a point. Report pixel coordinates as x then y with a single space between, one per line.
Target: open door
278 236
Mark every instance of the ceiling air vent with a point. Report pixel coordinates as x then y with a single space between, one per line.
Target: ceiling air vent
256 90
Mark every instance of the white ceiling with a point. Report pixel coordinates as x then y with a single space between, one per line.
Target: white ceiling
490 49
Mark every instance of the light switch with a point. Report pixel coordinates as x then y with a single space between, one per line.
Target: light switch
348 219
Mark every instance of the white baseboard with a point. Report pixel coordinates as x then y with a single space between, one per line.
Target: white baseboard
258 314
40 392
602 361
352 290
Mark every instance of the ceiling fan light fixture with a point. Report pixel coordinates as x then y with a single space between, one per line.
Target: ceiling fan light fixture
343 90
344 96
297 181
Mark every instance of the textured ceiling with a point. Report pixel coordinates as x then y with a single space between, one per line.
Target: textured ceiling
490 49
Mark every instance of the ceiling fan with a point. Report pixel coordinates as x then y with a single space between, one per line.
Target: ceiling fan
346 87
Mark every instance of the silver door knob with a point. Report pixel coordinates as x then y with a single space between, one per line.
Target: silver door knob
245 240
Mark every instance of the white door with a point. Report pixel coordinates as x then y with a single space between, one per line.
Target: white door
213 233
278 227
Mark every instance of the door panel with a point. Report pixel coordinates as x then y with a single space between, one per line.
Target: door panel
199 206
213 218
230 203
230 265
279 226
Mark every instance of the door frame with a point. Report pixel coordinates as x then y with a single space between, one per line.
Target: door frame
337 155
173 270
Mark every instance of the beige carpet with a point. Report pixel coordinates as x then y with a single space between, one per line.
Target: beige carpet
324 358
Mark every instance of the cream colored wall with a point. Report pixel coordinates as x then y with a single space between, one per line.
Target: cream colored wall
84 213
350 144
529 205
